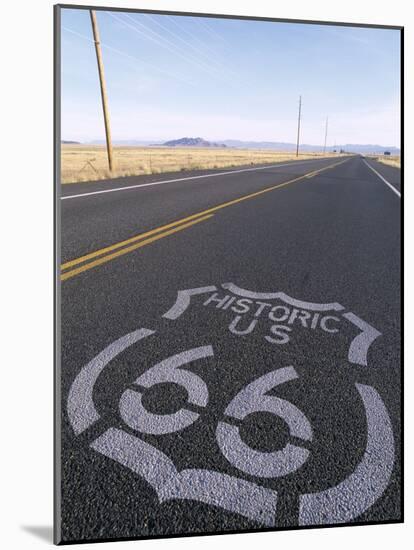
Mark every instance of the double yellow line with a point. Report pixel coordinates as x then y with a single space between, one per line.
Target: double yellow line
144 239
98 257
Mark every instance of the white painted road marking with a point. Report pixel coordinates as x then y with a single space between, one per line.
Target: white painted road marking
217 489
183 301
81 409
353 496
133 411
342 503
358 350
383 179
162 182
253 398
282 296
359 347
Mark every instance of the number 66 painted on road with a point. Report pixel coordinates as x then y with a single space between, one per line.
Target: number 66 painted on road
338 504
253 399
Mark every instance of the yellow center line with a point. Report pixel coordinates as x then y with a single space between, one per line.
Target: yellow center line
109 257
120 244
165 230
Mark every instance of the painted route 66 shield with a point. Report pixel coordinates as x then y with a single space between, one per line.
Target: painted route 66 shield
241 409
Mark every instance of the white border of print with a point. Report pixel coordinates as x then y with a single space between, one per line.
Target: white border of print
27 233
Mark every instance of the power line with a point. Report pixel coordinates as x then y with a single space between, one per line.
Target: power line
190 34
158 40
133 58
203 44
189 45
201 21
162 41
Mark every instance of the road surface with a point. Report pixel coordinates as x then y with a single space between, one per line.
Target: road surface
230 350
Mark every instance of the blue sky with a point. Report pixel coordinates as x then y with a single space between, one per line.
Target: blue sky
174 76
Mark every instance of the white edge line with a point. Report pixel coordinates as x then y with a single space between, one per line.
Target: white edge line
188 178
383 179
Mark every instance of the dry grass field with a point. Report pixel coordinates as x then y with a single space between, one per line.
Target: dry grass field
391 160
88 162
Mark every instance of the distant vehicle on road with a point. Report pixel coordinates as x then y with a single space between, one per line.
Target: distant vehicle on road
387 153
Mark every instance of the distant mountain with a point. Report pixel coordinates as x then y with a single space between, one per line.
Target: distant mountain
267 145
70 142
192 142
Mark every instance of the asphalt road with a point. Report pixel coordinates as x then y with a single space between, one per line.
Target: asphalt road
270 402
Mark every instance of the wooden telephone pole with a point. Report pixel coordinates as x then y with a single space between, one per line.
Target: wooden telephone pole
326 134
297 141
103 87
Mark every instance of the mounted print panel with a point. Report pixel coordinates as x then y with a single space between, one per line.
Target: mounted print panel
228 289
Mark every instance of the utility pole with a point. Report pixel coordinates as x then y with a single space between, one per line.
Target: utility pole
297 141
103 87
326 134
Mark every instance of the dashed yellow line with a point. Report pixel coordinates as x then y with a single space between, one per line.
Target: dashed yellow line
163 231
